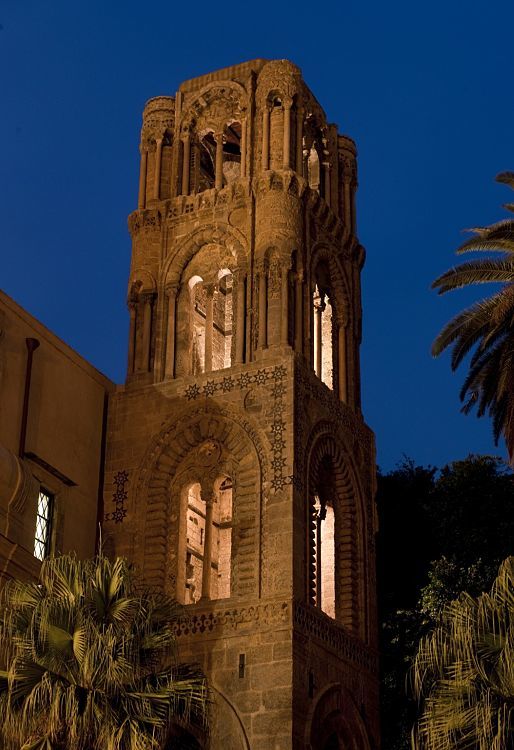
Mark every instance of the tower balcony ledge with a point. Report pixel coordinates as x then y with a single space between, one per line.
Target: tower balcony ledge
235 195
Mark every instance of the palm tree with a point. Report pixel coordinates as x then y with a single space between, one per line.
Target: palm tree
463 674
487 326
91 662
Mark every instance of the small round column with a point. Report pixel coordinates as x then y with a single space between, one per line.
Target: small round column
299 141
243 147
262 307
219 161
169 367
209 498
265 139
341 361
240 317
142 179
287 134
186 158
157 172
132 337
209 326
147 330
298 312
284 298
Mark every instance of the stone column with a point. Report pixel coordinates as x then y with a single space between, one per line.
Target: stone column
147 330
243 148
169 367
299 141
219 161
210 498
298 312
186 158
262 307
341 361
142 179
240 317
157 172
326 181
319 337
274 302
284 294
209 326
265 138
132 334
286 151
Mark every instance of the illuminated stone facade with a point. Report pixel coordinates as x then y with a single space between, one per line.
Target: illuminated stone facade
239 471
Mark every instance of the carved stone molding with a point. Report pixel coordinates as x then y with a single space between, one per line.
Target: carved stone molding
243 618
147 220
314 624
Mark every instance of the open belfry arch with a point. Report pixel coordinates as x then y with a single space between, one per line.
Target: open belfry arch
240 475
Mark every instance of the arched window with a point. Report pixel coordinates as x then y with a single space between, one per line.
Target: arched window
212 316
208 532
232 153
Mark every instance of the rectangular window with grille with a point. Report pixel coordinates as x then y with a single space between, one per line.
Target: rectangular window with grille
43 524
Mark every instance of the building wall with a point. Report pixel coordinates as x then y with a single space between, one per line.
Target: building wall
63 443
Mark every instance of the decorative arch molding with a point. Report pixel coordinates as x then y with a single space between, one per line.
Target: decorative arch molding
226 236
214 105
143 281
157 489
325 442
334 712
228 731
280 78
320 252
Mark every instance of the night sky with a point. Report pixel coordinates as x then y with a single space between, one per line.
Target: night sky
425 89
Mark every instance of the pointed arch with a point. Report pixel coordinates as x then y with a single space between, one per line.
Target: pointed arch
331 479
223 235
173 460
334 721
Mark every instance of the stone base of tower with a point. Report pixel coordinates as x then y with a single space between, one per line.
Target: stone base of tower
284 674
283 677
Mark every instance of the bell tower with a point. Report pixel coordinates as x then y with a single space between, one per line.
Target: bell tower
240 475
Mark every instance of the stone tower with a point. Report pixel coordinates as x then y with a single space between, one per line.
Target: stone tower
240 475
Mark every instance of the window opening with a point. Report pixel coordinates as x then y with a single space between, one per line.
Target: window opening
220 332
207 165
324 555
232 153
323 337
43 524
221 542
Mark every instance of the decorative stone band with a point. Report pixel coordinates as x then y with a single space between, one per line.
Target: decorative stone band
258 616
315 624
309 621
236 195
271 378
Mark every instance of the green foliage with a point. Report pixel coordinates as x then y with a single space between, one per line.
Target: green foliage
91 662
463 674
487 327
436 533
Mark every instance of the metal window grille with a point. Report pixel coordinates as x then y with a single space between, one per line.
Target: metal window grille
43 524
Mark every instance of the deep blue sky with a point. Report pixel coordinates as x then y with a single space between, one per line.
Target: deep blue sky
426 90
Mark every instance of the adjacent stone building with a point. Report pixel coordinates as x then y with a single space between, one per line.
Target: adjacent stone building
53 407
239 473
